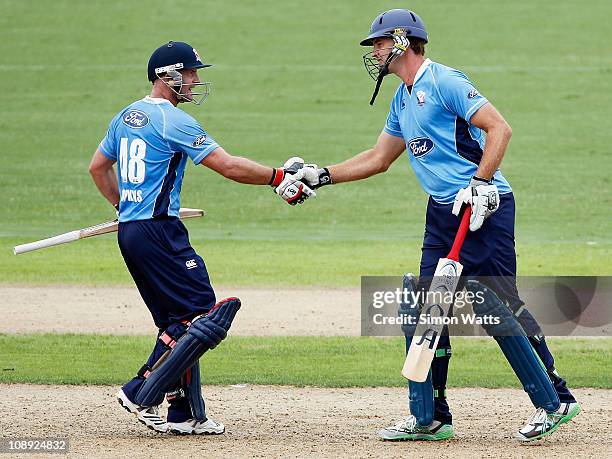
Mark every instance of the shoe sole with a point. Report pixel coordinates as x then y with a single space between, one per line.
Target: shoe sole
172 428
422 436
568 417
193 432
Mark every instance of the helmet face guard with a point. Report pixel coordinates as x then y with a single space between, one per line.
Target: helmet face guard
379 71
174 80
386 25
375 69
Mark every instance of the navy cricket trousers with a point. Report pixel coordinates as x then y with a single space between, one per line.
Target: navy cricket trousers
487 252
171 277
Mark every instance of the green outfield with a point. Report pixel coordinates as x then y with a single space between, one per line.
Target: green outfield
291 82
301 361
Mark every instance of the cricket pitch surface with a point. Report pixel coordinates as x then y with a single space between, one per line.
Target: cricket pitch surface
266 421
281 421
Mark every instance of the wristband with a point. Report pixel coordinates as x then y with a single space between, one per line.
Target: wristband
324 177
278 174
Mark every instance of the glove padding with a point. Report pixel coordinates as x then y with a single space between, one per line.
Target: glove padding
291 167
293 191
290 188
482 196
314 176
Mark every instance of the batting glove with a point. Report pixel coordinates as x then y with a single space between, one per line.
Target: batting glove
314 176
293 191
291 167
400 45
287 184
482 196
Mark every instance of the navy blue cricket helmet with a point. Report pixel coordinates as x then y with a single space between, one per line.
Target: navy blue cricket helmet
385 24
165 63
174 55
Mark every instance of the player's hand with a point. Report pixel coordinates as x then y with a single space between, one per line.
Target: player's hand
400 45
294 191
291 167
482 196
314 176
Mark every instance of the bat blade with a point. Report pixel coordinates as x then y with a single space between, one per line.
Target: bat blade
438 302
95 230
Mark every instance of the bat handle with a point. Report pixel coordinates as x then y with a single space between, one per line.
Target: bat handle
461 233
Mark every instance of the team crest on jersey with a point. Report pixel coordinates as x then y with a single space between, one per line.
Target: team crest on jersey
199 141
136 119
420 98
420 146
473 93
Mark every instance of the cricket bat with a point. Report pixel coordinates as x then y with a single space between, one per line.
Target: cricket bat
96 230
438 302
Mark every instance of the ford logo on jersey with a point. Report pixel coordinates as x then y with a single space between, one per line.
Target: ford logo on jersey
136 119
420 146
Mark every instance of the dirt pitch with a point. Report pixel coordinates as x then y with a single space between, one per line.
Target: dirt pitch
265 421
273 421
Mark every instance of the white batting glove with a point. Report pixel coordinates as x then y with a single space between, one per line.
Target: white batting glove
293 191
291 166
315 176
400 45
482 196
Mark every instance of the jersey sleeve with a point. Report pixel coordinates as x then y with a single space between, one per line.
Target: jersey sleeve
185 134
108 145
392 125
460 95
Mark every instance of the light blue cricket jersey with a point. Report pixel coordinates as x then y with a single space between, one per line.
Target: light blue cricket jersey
434 120
151 140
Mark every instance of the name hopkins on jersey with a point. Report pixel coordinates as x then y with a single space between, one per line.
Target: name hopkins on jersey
131 195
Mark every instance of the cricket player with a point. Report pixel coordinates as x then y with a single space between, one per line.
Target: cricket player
455 140
151 141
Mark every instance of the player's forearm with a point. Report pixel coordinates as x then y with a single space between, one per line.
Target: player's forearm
243 170
106 182
497 141
358 167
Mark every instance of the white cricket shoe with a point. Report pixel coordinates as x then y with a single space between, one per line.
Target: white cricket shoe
541 423
410 429
148 415
195 427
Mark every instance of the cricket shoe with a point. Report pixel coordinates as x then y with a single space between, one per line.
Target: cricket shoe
410 429
148 415
195 427
541 423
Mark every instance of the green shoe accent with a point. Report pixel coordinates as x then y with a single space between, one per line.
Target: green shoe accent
573 412
445 432
560 419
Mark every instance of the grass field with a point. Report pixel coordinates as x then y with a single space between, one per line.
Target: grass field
288 80
301 361
287 84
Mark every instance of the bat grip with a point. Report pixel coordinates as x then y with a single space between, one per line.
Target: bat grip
461 233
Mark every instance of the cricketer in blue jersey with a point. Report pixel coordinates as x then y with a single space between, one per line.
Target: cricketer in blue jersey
454 139
151 141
